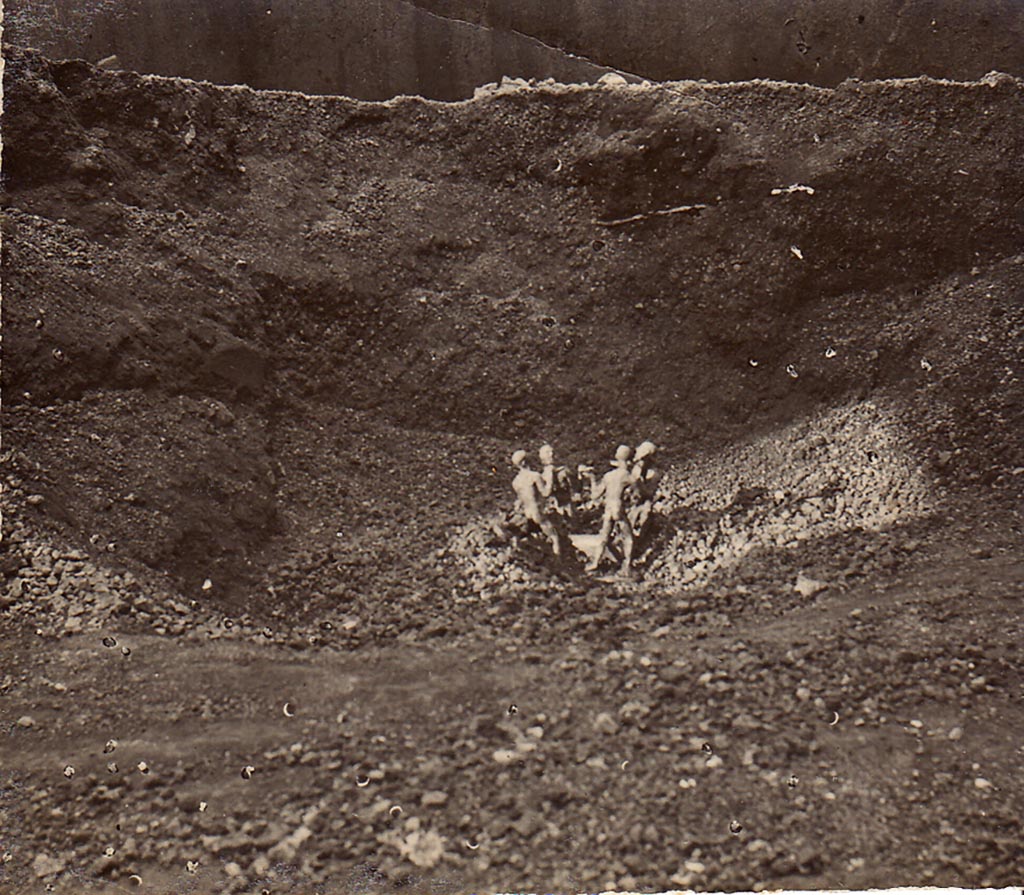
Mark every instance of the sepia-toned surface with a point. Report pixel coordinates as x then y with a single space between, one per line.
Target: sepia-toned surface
267 357
443 49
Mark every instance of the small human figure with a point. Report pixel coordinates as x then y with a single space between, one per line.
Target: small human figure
647 476
612 488
558 483
528 485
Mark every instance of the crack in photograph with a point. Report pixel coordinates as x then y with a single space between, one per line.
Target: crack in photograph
474 446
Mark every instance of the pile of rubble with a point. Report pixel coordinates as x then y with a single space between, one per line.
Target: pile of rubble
843 470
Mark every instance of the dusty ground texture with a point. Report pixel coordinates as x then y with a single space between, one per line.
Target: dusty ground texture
266 356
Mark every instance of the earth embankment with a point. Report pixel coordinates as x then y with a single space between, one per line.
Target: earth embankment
587 265
266 357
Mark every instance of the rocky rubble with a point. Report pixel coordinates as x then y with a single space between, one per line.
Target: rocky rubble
256 537
722 762
850 468
847 470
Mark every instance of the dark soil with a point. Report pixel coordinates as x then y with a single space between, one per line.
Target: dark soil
266 357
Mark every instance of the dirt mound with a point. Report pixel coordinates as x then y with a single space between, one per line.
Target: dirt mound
266 358
847 469
454 268
842 470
